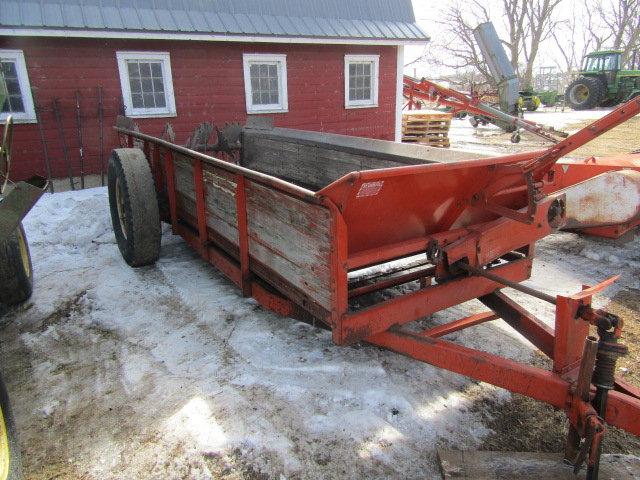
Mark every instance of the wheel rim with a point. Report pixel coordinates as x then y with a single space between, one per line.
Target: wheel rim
579 93
24 254
4 449
120 207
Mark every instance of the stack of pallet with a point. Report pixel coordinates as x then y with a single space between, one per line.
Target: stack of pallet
428 128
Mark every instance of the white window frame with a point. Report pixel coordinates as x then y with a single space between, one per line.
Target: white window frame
170 109
375 70
29 114
281 61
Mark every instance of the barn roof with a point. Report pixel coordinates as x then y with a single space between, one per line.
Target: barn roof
382 21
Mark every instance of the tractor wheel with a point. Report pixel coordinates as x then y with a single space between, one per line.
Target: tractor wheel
585 93
10 464
16 273
134 207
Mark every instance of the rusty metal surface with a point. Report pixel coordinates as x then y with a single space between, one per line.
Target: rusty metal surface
607 199
15 204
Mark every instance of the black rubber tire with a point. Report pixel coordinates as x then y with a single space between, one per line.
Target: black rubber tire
15 463
596 93
134 207
16 270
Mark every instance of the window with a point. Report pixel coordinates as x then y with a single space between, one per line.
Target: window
361 81
147 88
265 83
13 74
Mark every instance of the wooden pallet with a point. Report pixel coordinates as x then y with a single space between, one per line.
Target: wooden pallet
427 128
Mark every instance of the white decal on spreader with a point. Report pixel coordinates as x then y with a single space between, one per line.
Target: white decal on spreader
369 189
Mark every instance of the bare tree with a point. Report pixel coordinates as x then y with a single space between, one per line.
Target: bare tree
457 48
541 24
617 25
528 23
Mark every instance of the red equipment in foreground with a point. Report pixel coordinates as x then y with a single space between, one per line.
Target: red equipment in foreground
416 91
466 229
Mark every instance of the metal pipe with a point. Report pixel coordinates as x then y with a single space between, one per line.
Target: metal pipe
80 146
101 123
392 282
587 363
47 162
261 178
63 141
508 283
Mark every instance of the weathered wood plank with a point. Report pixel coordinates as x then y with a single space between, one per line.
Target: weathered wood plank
305 163
298 277
292 238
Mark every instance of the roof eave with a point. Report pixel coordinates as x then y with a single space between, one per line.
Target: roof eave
203 36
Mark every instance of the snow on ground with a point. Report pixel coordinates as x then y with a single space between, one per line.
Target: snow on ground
167 372
490 139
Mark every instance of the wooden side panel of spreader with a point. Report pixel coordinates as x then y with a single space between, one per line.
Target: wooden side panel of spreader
289 239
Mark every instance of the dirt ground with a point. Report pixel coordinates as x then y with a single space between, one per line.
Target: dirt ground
622 139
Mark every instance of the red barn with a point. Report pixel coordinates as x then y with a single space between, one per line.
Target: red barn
328 66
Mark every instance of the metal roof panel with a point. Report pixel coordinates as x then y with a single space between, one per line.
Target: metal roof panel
374 19
10 14
30 13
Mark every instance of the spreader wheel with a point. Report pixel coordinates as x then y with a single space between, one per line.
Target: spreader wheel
134 207
10 464
16 274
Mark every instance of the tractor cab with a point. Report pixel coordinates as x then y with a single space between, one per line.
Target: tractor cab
605 63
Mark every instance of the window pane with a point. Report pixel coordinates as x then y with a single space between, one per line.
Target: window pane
136 100
156 70
145 69
352 94
147 100
160 100
366 69
352 69
146 85
9 70
264 79
158 85
366 93
367 81
134 83
134 71
13 87
9 74
16 103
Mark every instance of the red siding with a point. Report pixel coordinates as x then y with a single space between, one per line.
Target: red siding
208 85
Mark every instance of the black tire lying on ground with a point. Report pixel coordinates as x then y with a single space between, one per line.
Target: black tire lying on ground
134 207
10 462
16 273
585 93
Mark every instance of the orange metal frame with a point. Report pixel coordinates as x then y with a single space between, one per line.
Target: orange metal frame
512 214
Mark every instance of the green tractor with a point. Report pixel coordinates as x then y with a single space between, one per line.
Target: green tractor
601 82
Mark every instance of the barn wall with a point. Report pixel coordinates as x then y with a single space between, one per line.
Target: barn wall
208 85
